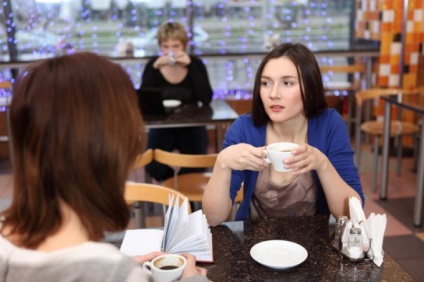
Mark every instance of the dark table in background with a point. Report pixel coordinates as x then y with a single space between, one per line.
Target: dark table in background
218 114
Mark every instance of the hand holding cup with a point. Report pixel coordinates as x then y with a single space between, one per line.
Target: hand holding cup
276 153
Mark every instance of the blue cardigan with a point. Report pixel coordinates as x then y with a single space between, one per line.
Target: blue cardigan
327 132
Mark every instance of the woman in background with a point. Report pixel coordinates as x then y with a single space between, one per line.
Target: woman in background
182 77
76 130
288 106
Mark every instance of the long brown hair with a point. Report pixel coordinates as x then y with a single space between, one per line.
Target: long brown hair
311 86
76 130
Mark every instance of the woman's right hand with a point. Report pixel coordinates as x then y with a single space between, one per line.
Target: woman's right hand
243 157
191 269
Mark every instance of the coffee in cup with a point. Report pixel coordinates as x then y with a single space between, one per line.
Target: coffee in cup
276 153
166 268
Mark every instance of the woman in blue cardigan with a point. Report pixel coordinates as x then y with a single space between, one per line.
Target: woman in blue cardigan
288 106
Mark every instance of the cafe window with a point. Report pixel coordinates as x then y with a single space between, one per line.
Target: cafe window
34 29
50 27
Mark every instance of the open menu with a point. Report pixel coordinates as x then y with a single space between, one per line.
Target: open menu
182 232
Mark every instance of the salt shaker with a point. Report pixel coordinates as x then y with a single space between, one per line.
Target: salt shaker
355 250
337 243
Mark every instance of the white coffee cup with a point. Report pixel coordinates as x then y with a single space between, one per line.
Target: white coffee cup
166 268
276 153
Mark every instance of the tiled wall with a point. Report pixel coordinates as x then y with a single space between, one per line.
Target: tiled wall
382 20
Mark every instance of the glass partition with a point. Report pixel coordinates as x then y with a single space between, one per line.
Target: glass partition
116 28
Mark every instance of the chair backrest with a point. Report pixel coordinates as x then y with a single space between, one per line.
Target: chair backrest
372 93
143 159
184 160
145 192
357 72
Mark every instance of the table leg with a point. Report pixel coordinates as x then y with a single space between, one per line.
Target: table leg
420 181
385 153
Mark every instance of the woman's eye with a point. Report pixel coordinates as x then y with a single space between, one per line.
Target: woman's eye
287 83
265 83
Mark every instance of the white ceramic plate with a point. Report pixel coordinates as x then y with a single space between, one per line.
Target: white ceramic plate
278 254
171 103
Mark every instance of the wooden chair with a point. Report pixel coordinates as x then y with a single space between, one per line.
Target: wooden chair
5 102
153 193
143 159
337 89
190 184
374 128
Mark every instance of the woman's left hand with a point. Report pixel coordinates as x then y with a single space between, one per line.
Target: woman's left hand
306 158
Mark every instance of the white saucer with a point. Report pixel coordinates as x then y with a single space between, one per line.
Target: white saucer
278 254
171 103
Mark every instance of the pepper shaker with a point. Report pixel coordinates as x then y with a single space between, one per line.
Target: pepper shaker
337 243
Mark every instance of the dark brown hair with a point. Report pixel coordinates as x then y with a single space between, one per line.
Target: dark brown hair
76 130
311 86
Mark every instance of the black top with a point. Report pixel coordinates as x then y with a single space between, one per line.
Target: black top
194 87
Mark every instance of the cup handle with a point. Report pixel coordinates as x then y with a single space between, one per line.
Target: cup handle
266 158
147 267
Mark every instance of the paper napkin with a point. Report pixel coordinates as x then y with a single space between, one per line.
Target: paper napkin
358 218
377 225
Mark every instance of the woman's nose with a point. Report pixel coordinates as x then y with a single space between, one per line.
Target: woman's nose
275 93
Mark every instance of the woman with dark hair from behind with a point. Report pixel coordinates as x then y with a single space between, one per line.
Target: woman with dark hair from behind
76 131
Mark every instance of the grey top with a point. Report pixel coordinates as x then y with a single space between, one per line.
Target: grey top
90 261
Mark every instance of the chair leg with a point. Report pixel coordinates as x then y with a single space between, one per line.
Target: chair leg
375 166
399 155
416 151
140 220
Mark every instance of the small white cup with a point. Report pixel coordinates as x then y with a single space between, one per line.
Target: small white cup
276 153
166 268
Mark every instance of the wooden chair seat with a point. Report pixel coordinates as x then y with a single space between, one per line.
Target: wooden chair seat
192 185
396 128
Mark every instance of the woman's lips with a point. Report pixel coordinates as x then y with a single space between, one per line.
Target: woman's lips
276 108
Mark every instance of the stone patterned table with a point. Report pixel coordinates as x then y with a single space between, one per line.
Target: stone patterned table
233 241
